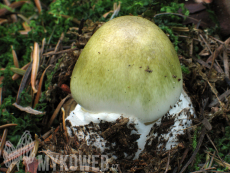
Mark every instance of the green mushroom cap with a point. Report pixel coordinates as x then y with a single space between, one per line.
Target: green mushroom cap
129 66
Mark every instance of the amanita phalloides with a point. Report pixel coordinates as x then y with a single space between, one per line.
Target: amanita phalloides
128 68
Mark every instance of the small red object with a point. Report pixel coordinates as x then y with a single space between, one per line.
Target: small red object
65 88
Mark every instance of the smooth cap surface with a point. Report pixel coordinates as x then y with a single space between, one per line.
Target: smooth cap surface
128 66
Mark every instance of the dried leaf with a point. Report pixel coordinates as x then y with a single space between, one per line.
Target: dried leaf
24 32
16 76
23 82
15 58
14 5
35 66
24 18
106 14
40 86
3 141
64 126
26 26
57 110
7 126
181 29
38 5
3 21
18 71
227 165
29 110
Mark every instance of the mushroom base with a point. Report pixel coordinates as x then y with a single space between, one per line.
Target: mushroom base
120 136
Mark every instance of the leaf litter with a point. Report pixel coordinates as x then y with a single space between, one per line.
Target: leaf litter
206 83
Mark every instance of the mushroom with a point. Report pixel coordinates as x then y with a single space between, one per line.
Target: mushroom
128 68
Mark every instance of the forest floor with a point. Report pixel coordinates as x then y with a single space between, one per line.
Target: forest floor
37 60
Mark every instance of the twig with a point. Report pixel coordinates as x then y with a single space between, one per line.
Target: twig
23 82
203 131
204 170
59 52
13 16
226 65
206 43
64 125
221 104
221 98
57 47
181 15
3 141
57 110
184 156
221 42
7 126
218 50
210 164
191 48
202 63
167 167
215 149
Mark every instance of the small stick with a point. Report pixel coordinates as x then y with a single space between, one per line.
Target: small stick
226 65
203 131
